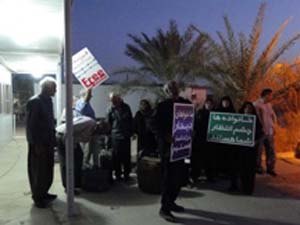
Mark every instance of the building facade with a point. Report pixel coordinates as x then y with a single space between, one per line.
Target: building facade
6 107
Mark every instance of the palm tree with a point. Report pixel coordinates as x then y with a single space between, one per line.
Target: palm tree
237 66
167 56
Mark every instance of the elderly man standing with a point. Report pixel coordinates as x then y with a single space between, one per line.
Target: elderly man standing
119 117
40 133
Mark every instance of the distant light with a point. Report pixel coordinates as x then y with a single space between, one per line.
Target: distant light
297 61
37 75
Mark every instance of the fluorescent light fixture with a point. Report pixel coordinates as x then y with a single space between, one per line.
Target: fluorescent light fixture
38 66
35 65
37 75
26 22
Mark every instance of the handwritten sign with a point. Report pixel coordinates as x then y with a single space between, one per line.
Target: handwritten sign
183 121
87 70
229 128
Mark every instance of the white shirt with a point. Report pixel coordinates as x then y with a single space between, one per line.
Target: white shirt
266 115
83 128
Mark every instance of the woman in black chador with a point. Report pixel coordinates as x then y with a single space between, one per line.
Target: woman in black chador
248 155
146 140
227 155
203 153
226 105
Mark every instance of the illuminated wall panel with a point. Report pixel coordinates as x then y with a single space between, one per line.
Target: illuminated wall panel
6 103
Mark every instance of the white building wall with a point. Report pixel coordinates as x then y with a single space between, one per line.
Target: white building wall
6 128
6 116
100 101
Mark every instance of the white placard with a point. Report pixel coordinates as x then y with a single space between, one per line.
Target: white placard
87 70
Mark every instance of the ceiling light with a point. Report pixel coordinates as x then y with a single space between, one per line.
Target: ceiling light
35 65
26 22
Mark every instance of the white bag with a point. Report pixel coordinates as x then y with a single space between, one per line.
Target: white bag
83 128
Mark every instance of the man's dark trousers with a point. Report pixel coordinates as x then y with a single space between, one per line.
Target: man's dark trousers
172 180
40 170
78 161
121 156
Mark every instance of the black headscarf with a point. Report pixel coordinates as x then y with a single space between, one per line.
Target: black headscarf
229 109
244 106
258 127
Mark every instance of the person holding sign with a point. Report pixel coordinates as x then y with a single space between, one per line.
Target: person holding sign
172 172
83 107
78 153
227 155
203 154
248 155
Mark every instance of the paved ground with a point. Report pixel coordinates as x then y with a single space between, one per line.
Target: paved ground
276 200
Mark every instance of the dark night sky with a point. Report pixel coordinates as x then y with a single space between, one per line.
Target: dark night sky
103 25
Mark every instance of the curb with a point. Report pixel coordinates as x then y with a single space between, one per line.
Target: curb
288 157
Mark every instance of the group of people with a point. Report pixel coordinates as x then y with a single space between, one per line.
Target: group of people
42 138
153 126
238 163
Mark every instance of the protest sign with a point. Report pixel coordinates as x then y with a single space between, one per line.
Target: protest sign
183 122
231 128
87 70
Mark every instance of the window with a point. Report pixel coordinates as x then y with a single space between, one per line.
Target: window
7 99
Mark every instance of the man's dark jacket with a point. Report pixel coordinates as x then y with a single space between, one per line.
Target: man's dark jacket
40 124
121 121
163 123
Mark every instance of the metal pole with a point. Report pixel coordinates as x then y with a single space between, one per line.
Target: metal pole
69 114
59 92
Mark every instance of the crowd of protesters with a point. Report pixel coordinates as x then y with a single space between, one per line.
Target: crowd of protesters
153 127
238 163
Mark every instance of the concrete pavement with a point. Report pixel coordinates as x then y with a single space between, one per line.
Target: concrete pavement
276 200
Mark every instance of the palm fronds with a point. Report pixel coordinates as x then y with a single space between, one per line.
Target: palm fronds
238 62
168 54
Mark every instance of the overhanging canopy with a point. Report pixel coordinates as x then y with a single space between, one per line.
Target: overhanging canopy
31 35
